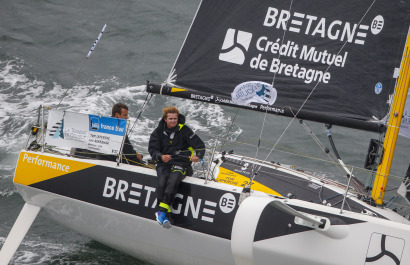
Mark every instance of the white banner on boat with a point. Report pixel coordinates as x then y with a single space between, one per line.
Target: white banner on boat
74 130
405 122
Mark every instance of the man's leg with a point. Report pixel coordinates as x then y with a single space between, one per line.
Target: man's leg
162 177
176 175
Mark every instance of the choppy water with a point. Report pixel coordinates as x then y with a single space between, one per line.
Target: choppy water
42 46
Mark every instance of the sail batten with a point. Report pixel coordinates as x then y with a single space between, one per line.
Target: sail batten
328 61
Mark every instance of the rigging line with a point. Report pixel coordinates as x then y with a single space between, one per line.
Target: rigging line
229 129
89 53
400 205
314 88
283 39
130 131
266 111
260 136
314 137
294 152
319 143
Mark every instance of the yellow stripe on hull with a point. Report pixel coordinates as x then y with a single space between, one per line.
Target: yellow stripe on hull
34 167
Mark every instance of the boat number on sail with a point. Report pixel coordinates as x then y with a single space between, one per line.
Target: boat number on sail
144 196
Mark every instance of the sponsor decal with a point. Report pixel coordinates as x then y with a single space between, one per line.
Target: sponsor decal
314 185
57 131
254 91
33 168
310 24
195 207
45 163
271 109
91 132
144 195
227 203
378 88
377 24
245 167
235 45
308 63
384 249
108 125
94 123
237 179
202 98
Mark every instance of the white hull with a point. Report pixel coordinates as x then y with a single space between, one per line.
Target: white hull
258 231
139 237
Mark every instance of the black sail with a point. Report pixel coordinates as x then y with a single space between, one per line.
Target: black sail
328 61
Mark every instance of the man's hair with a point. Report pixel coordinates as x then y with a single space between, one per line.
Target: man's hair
117 108
167 110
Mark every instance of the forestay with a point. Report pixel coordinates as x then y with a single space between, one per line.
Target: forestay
328 61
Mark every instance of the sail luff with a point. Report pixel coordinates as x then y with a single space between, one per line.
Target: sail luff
170 75
396 115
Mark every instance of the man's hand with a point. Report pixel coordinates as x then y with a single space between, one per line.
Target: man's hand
166 158
195 159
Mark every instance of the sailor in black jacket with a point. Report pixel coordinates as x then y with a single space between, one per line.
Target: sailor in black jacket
172 144
129 155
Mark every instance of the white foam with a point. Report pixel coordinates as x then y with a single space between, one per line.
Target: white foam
21 97
26 95
8 192
38 253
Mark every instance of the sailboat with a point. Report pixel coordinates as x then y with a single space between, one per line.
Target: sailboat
337 63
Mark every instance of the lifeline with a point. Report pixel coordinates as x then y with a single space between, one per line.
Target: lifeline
45 163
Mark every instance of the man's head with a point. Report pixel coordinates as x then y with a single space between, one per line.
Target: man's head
120 110
170 116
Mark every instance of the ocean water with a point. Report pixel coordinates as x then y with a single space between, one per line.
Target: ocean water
43 45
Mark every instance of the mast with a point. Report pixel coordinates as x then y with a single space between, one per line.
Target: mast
396 114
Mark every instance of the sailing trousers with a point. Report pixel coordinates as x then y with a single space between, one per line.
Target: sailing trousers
168 179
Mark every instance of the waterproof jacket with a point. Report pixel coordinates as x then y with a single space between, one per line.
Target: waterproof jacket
180 142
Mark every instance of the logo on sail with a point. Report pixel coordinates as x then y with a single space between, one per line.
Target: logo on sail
309 24
378 88
254 91
377 24
235 45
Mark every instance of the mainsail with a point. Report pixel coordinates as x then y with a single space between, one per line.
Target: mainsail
328 61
